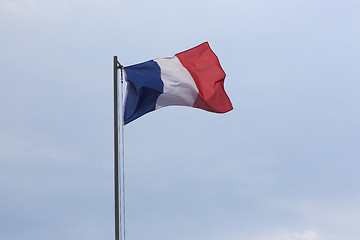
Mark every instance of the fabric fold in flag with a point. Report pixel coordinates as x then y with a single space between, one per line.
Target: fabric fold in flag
191 78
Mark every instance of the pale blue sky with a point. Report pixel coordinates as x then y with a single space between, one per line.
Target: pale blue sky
283 165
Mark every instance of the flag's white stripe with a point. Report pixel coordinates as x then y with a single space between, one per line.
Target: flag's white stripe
179 86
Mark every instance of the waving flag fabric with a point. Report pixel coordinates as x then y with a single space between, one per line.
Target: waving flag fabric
191 78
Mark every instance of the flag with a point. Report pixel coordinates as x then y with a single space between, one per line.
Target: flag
191 78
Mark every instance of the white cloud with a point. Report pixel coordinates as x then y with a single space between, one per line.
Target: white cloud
304 235
17 6
307 234
47 9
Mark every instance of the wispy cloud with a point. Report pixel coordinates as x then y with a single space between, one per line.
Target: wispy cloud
17 6
303 235
306 234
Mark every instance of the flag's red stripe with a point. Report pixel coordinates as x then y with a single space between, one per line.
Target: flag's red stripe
204 67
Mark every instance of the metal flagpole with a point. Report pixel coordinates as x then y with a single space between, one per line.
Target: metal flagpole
119 190
116 149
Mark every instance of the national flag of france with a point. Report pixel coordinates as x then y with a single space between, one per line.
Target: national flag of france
191 78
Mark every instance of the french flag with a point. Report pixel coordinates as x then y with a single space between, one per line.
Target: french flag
191 78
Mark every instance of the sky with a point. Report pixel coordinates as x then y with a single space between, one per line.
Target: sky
283 165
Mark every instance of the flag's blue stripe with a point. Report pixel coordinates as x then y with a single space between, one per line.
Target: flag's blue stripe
144 87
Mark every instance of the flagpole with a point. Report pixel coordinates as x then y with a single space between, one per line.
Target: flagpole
116 149
119 159
119 190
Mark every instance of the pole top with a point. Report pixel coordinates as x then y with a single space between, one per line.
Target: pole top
118 65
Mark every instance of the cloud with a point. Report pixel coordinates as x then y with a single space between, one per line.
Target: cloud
48 9
304 235
17 6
